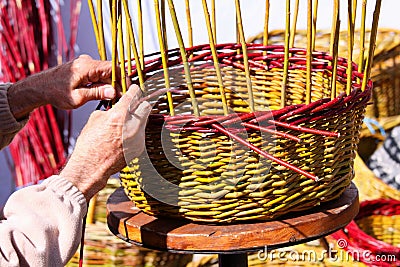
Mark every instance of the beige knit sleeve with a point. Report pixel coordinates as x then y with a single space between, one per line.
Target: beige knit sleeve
9 126
43 224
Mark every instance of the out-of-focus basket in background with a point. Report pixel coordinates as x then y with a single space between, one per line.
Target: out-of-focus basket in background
374 234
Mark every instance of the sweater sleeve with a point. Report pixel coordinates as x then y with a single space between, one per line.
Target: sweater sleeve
9 126
42 225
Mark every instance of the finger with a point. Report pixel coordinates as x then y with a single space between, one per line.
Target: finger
97 92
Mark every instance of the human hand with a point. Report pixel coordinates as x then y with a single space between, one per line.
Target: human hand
66 86
99 150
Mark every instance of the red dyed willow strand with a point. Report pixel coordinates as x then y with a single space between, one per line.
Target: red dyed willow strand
304 129
271 131
263 153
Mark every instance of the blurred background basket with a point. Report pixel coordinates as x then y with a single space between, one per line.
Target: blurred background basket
374 234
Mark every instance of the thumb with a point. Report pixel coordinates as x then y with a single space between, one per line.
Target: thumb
130 98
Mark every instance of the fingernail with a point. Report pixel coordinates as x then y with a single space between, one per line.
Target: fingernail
109 92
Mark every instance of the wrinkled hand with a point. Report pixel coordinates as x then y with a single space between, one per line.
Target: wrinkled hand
66 86
99 150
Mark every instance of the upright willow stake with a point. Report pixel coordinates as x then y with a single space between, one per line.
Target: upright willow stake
189 23
114 39
95 26
350 42
132 44
163 57
215 58
266 22
121 53
372 44
214 20
184 58
164 24
314 28
140 34
294 25
245 57
103 54
334 46
309 51
362 36
286 62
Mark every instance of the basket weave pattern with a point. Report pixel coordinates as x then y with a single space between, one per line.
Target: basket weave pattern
223 180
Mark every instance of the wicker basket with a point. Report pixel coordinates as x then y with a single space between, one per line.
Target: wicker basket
374 234
385 69
222 180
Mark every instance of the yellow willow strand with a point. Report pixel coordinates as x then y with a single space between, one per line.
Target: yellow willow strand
114 42
163 57
133 45
103 54
286 62
140 33
94 24
372 44
184 58
189 23
314 29
245 57
121 54
362 37
350 38
309 52
334 45
294 25
266 22
215 57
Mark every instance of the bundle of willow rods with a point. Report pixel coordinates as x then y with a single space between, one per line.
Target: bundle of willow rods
254 131
374 233
33 39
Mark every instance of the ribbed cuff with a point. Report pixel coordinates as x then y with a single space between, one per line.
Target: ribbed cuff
9 125
66 189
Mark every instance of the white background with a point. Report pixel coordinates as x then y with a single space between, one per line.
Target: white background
253 17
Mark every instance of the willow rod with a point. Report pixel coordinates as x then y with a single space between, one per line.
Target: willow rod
294 25
334 46
128 50
314 29
189 23
184 58
266 22
372 44
215 57
163 57
286 58
114 42
354 14
362 36
140 33
132 45
245 57
94 23
164 25
214 20
121 53
103 54
309 51
350 42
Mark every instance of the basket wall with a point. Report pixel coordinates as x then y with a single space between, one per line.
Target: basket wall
223 181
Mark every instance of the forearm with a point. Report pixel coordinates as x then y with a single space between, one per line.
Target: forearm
43 224
28 94
9 125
